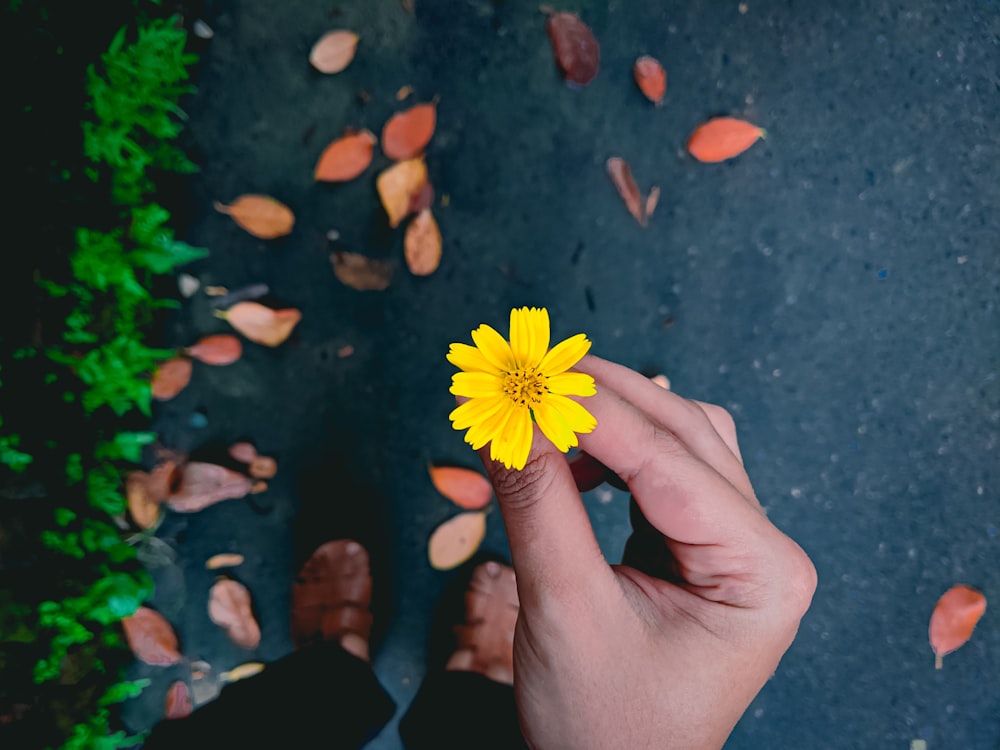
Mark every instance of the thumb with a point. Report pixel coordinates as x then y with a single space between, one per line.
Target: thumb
552 544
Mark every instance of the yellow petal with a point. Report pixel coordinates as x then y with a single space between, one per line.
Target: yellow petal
521 433
529 335
577 418
564 355
554 427
494 347
484 432
476 384
572 384
476 410
470 359
498 449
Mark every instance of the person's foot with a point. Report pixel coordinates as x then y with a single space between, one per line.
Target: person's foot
331 598
486 640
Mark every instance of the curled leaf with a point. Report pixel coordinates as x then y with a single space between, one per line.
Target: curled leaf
422 244
577 52
334 51
398 185
407 133
261 324
346 158
651 78
151 638
466 488
260 215
263 467
178 701
456 540
221 349
223 560
171 378
360 272
722 138
953 620
242 672
203 484
621 176
229 607
243 452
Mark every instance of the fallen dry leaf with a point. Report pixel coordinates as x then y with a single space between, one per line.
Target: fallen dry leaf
722 138
346 158
203 484
221 349
178 701
260 215
404 91
261 324
263 467
456 540
145 511
345 351
171 378
651 78
151 638
243 452
223 560
398 185
229 607
466 488
242 672
953 620
577 52
621 176
422 244
651 201
360 272
334 51
407 133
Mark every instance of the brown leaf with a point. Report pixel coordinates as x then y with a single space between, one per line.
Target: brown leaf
260 215
151 638
621 175
243 452
171 378
360 272
404 91
456 540
144 510
576 50
260 324
334 51
407 133
263 467
953 620
397 187
203 484
229 607
178 701
422 244
651 200
466 488
346 158
345 351
222 349
722 138
223 560
651 78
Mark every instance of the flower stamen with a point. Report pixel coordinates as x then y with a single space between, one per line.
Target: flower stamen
525 387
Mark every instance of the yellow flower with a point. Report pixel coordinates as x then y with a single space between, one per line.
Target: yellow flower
511 385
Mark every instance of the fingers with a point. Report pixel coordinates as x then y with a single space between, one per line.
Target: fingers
723 423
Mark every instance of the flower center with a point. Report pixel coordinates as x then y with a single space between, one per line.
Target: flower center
525 387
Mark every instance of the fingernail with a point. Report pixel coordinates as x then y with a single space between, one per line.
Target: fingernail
352 548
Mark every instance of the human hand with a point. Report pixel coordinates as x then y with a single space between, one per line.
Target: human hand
668 650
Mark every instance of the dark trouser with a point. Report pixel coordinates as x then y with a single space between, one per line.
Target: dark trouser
324 697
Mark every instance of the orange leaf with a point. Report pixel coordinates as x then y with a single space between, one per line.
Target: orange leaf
407 133
260 324
171 378
360 272
178 701
397 187
222 349
151 638
722 138
334 51
574 46
229 607
346 158
422 244
145 511
466 488
224 560
243 452
651 78
204 484
651 200
260 215
263 467
404 91
953 620
456 540
621 175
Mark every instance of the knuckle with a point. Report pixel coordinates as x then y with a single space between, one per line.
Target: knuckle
801 581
